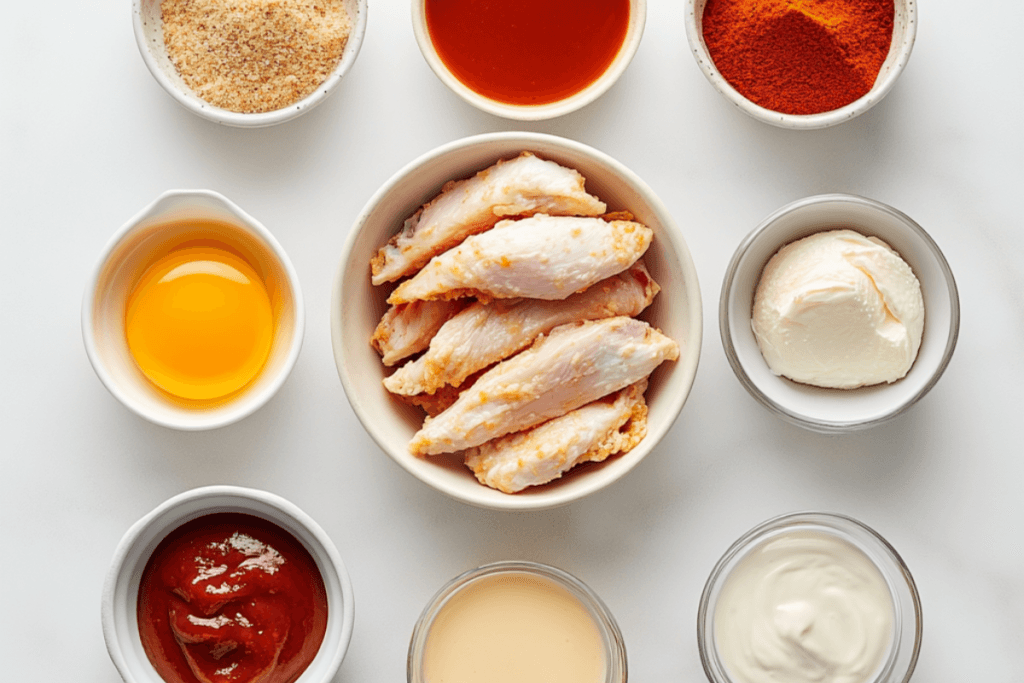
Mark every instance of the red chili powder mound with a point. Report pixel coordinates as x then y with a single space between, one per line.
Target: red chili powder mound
799 56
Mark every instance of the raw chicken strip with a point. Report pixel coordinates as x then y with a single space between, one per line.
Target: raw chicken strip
612 425
484 334
521 186
408 328
574 365
542 257
441 400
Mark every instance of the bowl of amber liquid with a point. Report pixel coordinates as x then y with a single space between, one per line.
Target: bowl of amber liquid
529 59
193 315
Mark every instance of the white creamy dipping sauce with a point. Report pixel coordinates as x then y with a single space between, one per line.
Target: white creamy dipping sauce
804 606
838 310
513 628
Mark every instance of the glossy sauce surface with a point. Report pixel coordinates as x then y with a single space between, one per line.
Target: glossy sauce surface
527 51
231 598
513 628
804 607
199 323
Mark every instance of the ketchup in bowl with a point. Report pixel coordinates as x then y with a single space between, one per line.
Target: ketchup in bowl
231 598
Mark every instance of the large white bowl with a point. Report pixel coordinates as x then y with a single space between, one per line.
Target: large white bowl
357 307
149 36
904 33
121 589
839 410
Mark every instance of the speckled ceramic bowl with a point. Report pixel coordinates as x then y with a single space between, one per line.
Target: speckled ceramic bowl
148 26
357 307
903 36
839 410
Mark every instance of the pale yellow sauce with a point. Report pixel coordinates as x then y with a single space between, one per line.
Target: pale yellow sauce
513 628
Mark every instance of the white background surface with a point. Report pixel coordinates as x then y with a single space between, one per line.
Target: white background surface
88 138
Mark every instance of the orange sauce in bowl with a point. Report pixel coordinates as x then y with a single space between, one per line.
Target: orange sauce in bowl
527 52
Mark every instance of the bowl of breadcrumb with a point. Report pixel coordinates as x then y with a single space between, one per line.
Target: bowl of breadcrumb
516 320
249 63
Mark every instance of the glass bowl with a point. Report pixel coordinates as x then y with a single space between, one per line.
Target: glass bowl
614 648
903 650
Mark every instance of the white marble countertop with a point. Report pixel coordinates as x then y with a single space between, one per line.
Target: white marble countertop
87 138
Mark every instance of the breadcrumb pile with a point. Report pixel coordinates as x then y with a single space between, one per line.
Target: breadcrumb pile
254 56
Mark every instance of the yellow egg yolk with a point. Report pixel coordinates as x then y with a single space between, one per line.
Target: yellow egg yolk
199 323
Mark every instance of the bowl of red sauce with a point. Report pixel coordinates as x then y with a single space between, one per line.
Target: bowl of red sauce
227 584
802 64
528 59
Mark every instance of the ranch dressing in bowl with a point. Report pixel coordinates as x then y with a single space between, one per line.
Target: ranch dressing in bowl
810 596
805 606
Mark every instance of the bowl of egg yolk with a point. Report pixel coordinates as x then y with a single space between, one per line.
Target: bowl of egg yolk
193 316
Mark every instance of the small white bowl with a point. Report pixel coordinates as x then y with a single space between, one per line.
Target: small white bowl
149 36
523 112
152 232
904 33
839 410
357 306
121 588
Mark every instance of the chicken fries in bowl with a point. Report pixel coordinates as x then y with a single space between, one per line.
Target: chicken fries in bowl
516 320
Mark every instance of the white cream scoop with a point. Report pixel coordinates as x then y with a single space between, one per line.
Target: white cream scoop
838 310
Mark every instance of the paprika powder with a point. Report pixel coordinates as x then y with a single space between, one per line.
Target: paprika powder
799 56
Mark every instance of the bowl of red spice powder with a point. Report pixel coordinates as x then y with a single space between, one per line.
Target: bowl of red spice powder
802 64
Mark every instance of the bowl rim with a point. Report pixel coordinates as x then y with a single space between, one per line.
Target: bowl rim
677 245
852 531
337 584
615 645
224 415
818 121
211 112
794 417
533 112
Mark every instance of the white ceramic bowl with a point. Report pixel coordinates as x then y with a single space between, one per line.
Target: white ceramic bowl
903 35
121 588
357 307
838 410
149 35
634 31
150 233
